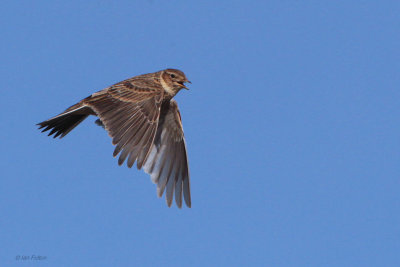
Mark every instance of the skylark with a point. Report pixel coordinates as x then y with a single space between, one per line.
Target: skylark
144 123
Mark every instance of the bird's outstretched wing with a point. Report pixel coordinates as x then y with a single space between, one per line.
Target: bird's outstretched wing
129 111
167 162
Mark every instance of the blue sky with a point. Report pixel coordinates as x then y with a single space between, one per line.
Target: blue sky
291 123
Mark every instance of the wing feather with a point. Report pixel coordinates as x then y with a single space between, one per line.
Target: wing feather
167 162
129 112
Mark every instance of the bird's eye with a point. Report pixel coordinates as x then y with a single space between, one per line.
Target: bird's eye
172 75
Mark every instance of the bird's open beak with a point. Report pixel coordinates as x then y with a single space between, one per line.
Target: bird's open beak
185 86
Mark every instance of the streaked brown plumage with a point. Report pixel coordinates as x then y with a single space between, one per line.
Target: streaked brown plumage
145 125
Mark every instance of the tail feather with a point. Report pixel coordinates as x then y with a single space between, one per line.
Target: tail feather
65 122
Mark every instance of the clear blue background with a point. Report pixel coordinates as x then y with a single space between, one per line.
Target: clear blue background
292 127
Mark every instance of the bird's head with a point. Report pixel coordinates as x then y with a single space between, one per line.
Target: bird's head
175 79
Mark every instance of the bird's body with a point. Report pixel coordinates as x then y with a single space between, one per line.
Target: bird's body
144 123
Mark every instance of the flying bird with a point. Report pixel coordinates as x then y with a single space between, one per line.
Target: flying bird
145 125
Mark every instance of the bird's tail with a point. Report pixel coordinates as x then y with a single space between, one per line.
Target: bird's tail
62 124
